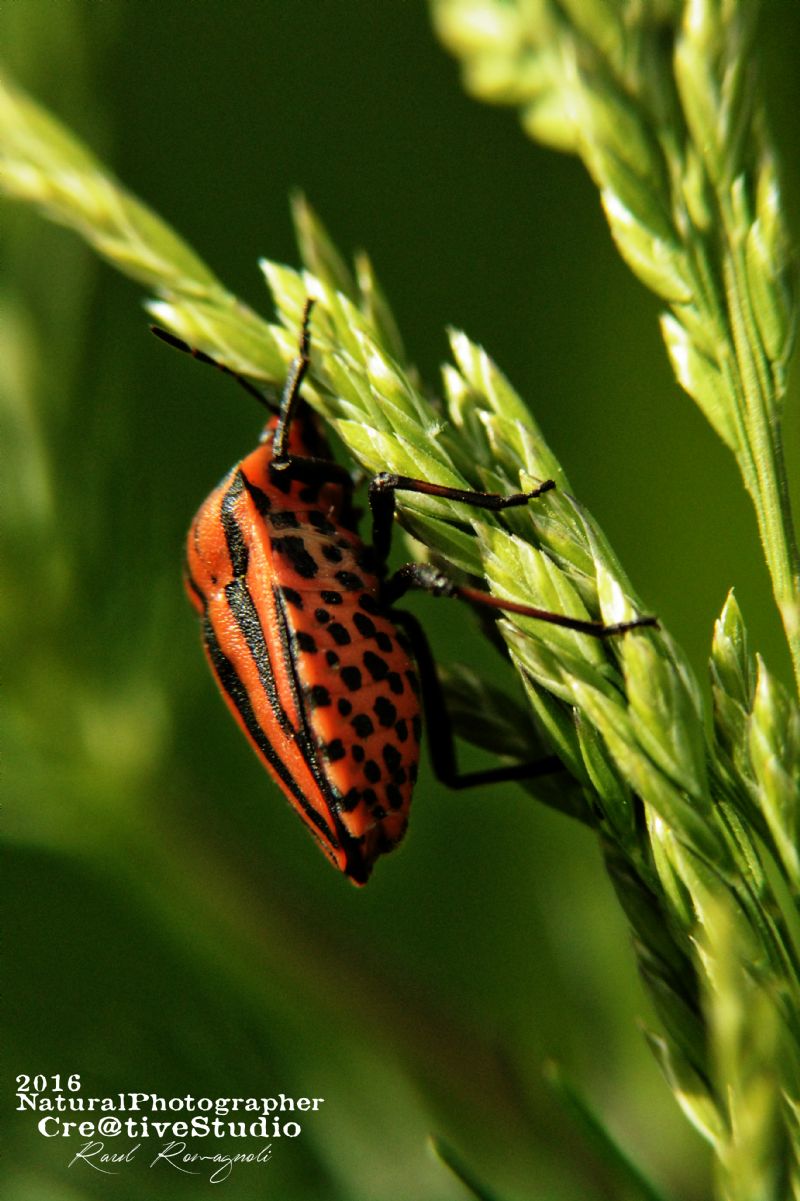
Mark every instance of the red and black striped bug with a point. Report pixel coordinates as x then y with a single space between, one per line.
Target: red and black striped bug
327 679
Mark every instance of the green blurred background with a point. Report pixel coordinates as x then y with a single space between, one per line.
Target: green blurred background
169 925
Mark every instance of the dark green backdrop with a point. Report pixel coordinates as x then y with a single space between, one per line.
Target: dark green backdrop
169 925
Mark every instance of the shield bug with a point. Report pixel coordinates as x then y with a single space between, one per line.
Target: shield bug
327 679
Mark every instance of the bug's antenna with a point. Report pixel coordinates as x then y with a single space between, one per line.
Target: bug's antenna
294 380
202 357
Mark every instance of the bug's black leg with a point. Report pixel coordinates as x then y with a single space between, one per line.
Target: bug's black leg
313 471
441 741
382 502
202 357
429 579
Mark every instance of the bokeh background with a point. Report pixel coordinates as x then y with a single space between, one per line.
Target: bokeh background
169 926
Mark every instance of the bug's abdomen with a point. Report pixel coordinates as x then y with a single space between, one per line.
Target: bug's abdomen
359 686
316 674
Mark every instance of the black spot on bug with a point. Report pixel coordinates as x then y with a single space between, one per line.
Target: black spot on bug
413 680
293 549
284 519
400 776
352 678
335 750
394 796
362 724
395 683
368 603
322 615
391 757
357 752
331 658
344 707
319 696
378 812
331 553
383 641
372 771
309 494
401 729
320 522
331 598
413 772
343 544
370 797
377 667
350 800
294 598
385 712
305 642
365 625
416 726
365 559
339 633
349 581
